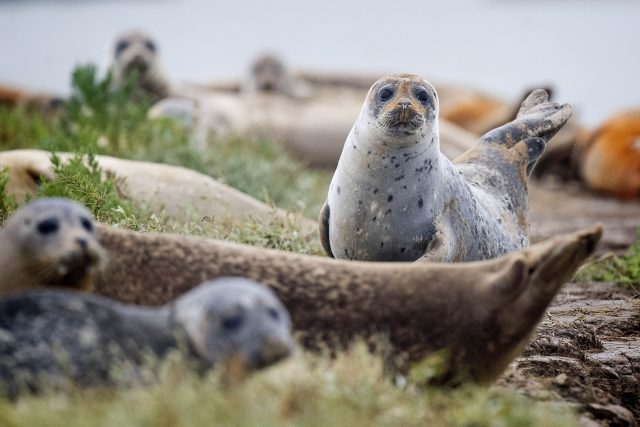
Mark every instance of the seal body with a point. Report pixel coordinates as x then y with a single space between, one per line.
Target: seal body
51 338
395 197
49 242
481 312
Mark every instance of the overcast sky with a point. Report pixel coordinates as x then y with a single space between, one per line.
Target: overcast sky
589 50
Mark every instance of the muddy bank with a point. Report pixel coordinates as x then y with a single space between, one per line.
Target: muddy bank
563 207
586 353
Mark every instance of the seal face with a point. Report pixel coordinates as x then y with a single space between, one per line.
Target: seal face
268 73
49 242
135 52
52 337
395 197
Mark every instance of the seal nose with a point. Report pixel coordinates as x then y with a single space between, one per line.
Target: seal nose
273 349
404 105
82 242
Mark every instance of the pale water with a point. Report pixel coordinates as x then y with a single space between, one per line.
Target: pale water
589 50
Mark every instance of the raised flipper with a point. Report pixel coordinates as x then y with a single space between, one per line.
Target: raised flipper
537 117
324 229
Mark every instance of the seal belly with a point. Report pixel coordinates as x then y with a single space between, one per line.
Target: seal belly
379 229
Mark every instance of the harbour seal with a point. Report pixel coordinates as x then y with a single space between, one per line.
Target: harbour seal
136 52
395 197
482 312
49 242
268 73
52 337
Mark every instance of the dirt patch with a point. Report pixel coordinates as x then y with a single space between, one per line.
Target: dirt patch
563 207
586 352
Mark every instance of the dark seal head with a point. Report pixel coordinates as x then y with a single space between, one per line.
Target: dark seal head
49 242
52 339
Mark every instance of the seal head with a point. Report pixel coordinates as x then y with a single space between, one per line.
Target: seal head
235 319
136 53
49 242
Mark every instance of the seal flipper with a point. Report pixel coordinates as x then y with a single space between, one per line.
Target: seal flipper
324 229
535 148
537 117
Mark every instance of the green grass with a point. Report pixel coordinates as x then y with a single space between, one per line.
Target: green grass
623 270
307 390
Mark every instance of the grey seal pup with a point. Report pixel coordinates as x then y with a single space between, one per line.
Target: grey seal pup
395 197
49 242
54 338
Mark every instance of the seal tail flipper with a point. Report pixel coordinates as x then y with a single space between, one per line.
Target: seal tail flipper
324 229
537 117
539 271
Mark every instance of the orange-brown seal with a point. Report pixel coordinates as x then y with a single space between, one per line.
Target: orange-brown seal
482 312
610 159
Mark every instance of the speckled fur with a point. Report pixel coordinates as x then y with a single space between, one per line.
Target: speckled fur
481 312
50 339
395 197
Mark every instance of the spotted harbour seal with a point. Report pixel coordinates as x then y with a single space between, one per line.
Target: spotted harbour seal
136 52
55 337
482 312
49 242
395 197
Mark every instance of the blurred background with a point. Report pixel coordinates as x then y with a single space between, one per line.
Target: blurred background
587 50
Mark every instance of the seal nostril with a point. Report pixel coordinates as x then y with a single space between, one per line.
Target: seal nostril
82 242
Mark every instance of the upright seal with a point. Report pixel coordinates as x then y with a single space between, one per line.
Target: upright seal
49 242
135 52
54 337
395 197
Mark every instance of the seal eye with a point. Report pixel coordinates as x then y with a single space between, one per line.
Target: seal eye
87 224
423 96
150 45
48 226
121 46
232 323
274 314
385 94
